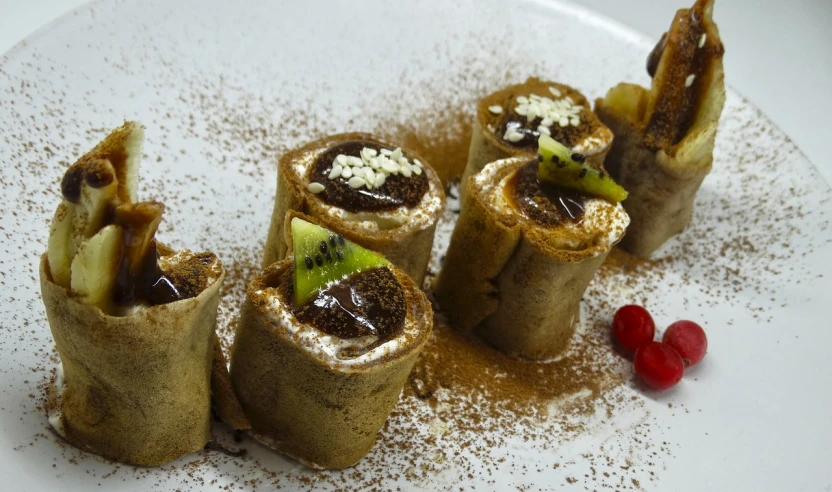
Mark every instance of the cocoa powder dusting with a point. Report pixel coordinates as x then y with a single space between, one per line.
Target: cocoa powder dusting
468 415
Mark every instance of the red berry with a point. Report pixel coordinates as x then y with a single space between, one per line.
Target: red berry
659 365
633 327
688 339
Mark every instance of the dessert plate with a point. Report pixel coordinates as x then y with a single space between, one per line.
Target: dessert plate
224 89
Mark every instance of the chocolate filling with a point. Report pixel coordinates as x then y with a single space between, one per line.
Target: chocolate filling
371 302
154 287
567 135
396 191
543 202
678 101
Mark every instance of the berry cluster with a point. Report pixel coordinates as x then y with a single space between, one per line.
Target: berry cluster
659 364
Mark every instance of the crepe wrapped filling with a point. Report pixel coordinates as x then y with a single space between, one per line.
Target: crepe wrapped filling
509 123
664 136
531 234
379 195
326 340
133 321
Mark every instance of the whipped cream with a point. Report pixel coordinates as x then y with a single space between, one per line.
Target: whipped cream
603 223
402 218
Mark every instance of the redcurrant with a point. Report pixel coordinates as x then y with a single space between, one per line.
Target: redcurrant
633 327
659 365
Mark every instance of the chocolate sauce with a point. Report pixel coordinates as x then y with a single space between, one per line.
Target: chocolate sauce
678 101
149 284
139 278
95 172
656 55
543 202
568 135
396 191
371 302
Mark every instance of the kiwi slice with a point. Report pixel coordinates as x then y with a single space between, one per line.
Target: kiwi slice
562 167
323 257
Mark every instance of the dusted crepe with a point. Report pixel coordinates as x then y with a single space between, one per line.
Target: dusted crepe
133 321
305 396
664 137
518 284
404 236
135 388
589 136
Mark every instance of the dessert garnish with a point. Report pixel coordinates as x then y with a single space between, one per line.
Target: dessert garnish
688 338
633 327
101 243
365 176
659 364
534 115
560 166
323 257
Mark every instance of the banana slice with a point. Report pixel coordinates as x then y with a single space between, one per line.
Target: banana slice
123 149
95 266
60 247
139 222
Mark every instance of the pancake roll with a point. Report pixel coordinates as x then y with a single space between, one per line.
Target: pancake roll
133 320
664 136
509 122
522 254
377 194
318 373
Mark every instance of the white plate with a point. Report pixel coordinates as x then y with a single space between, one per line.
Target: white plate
223 89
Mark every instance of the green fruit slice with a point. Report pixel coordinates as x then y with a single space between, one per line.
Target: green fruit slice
561 167
323 257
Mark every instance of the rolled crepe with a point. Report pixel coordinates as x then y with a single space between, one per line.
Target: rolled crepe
664 137
135 388
404 234
491 139
313 396
513 280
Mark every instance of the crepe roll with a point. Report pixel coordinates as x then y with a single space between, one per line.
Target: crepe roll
326 340
377 194
664 136
524 250
509 122
133 320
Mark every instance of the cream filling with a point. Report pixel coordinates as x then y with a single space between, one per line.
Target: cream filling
403 218
603 223
590 146
332 349
54 413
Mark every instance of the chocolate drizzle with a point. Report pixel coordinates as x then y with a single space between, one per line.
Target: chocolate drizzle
97 173
371 302
396 191
543 202
683 83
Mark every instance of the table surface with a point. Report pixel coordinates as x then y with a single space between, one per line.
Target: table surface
778 54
